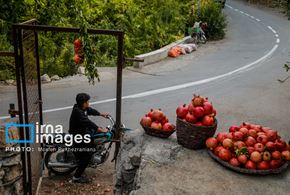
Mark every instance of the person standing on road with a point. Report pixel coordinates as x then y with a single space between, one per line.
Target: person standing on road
80 124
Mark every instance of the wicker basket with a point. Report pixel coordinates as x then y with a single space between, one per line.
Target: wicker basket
158 132
192 136
249 171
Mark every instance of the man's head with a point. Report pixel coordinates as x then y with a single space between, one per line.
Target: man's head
82 100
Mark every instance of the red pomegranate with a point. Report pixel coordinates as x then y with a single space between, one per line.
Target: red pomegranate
168 127
199 124
266 156
190 118
228 143
156 125
233 128
197 100
146 121
182 111
252 133
288 147
244 131
262 139
263 165
234 162
239 144
225 154
77 43
260 132
230 135
190 107
276 155
208 108
208 121
164 120
250 150
259 147
245 125
256 157
250 165
217 150
270 146
286 155
213 112
258 128
274 164
211 143
242 159
238 136
272 135
250 141
266 129
198 112
157 115
150 113
280 145
221 136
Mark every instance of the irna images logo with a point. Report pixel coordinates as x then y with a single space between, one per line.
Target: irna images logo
45 134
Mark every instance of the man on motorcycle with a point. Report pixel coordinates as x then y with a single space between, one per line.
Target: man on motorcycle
80 124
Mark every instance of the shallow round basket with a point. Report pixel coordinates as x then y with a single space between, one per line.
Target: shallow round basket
192 136
158 132
249 171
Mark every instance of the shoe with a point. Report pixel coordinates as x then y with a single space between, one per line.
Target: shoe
81 180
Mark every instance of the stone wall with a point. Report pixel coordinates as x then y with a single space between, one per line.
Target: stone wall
10 163
128 162
139 151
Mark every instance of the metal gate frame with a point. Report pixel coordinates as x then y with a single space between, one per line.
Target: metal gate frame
19 65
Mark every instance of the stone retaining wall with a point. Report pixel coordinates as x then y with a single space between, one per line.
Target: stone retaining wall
10 163
157 55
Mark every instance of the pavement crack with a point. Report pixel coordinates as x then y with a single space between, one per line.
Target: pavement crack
140 72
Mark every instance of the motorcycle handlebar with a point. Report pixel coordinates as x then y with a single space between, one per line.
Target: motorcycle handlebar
112 121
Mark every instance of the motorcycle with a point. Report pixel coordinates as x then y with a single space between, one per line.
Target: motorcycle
198 34
60 160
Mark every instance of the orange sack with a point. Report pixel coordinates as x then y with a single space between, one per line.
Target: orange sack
174 52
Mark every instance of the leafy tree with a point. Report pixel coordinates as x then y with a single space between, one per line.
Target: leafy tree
148 25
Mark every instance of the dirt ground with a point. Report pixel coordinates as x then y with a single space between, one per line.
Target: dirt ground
102 179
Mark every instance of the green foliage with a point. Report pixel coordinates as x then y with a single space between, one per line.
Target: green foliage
211 13
148 25
6 63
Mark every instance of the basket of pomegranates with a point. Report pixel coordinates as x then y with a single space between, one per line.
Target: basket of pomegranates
195 123
156 123
250 149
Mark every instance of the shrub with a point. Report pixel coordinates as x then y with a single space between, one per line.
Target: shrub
211 13
148 25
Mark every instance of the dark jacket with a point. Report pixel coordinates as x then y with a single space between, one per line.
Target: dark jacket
79 122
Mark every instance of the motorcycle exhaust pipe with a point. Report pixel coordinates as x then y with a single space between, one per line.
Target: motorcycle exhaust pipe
61 165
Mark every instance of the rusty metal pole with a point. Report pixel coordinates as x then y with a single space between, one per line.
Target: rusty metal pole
19 96
120 63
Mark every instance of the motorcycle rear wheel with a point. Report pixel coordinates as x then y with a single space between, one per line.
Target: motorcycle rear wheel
57 171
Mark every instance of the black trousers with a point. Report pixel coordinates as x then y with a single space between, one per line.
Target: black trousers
84 158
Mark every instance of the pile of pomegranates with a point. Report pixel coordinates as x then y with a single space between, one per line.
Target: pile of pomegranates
199 112
156 119
250 146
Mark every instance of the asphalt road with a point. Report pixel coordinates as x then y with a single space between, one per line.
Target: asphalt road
239 92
